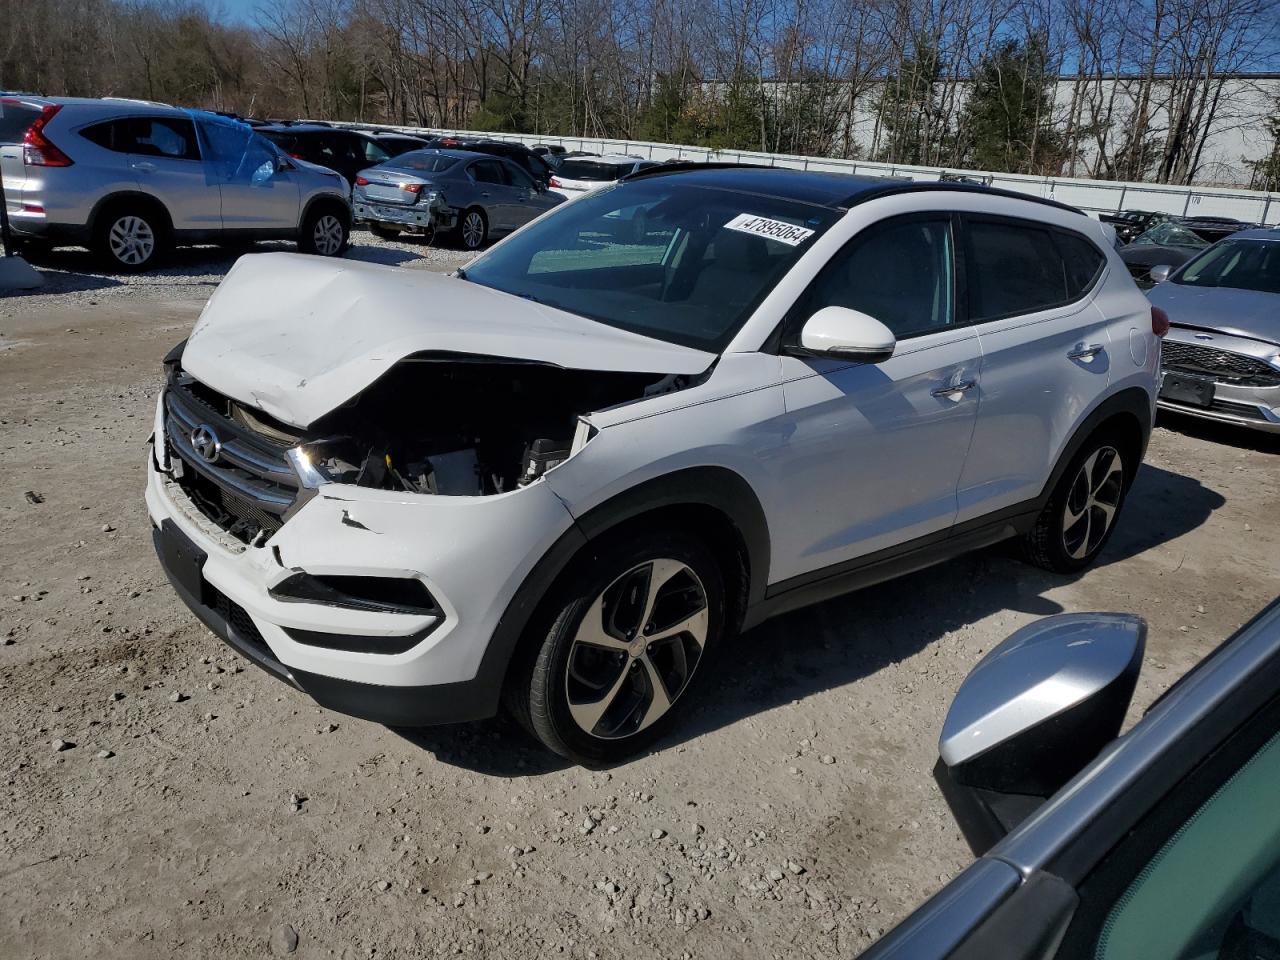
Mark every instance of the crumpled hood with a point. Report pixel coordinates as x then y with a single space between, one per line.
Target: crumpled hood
298 336
1239 313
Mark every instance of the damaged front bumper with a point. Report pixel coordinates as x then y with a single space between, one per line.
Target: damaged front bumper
469 553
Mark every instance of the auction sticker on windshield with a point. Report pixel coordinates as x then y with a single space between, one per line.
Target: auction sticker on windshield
779 230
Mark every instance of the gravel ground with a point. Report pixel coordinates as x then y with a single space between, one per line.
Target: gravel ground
72 276
162 799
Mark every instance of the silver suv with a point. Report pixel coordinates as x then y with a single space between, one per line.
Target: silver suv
131 179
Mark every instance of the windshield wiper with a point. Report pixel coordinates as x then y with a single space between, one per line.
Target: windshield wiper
460 273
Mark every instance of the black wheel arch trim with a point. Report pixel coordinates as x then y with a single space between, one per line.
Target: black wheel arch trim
328 199
1131 400
124 196
713 487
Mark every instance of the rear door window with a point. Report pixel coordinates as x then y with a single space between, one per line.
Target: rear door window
1081 259
488 171
518 177
160 137
1013 268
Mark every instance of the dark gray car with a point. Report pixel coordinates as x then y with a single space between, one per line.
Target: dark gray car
1163 843
1221 359
473 195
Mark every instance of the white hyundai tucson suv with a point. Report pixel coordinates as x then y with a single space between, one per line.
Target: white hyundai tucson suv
566 477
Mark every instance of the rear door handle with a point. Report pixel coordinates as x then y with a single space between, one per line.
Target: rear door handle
145 166
1085 352
950 389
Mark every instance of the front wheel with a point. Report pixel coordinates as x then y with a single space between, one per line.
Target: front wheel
1082 510
473 229
632 633
324 232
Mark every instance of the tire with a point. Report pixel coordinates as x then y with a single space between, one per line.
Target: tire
131 238
585 690
384 233
325 231
473 229
1083 509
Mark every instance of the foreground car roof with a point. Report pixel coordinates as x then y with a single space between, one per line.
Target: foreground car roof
824 189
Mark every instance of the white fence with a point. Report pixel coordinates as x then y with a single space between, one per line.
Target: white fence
1097 196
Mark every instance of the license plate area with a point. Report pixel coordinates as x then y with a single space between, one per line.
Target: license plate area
183 560
1193 391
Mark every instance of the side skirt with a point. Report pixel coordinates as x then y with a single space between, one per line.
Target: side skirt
892 562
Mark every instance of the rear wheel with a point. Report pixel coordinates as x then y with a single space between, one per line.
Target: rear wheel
325 232
473 229
1082 511
131 238
632 632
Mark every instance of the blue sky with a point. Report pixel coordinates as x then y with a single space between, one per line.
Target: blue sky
233 11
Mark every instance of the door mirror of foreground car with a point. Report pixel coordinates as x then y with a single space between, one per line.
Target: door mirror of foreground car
1032 714
845 334
1159 274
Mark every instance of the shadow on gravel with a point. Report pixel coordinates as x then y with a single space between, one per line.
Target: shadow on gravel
1226 434
841 641
387 256
1160 507
496 748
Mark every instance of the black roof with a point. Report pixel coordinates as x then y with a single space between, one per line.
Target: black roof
306 128
836 190
822 189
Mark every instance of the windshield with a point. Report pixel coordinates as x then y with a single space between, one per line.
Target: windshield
1241 264
591 170
423 161
1171 235
658 257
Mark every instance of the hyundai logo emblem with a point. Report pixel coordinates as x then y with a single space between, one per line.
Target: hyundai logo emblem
206 443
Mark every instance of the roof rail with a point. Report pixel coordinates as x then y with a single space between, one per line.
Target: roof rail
951 186
683 166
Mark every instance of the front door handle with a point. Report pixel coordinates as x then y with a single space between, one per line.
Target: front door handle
951 390
145 166
1085 352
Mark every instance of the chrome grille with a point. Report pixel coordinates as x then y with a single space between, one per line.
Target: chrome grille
244 484
1221 365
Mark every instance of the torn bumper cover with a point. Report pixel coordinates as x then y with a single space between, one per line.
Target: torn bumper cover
380 657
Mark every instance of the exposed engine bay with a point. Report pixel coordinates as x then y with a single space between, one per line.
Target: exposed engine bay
457 426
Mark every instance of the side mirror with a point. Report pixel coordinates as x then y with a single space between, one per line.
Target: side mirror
1160 274
1032 714
846 334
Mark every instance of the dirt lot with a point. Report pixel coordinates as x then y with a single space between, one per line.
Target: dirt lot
199 808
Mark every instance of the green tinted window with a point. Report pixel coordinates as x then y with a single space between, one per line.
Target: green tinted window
1213 889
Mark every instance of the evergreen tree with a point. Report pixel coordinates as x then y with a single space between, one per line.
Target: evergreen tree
1006 123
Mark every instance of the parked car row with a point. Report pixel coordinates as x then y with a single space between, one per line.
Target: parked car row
131 179
1173 241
